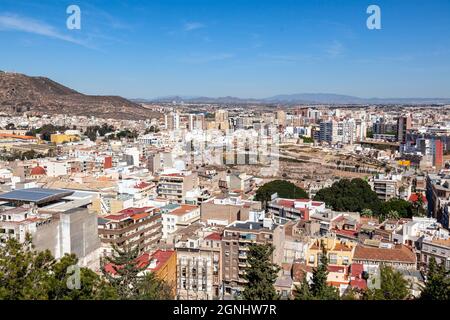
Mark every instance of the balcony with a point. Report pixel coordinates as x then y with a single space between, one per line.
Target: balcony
242 255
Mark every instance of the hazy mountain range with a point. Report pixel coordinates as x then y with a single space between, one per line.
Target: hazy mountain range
300 98
38 95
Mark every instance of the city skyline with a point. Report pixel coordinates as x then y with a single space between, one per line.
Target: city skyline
242 49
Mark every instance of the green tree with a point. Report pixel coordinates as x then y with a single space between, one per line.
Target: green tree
350 294
152 129
437 283
91 133
27 274
318 289
30 154
284 189
10 126
152 288
47 130
401 207
392 214
303 292
24 273
307 139
392 286
350 195
92 286
367 213
261 274
124 272
130 280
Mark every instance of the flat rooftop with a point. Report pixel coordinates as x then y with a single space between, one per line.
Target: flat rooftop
250 225
35 195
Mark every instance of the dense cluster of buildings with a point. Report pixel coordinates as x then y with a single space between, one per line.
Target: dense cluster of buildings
193 215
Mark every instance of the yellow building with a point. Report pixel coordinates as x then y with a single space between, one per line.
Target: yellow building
59 138
339 253
111 203
163 263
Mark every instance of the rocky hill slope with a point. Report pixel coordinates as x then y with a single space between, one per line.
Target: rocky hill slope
38 95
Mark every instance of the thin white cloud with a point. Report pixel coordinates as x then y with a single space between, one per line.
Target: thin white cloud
11 22
335 49
191 26
198 59
289 58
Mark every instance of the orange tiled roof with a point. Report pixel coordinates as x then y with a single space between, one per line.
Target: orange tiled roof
299 271
15 136
162 256
341 247
139 216
37 171
142 185
215 236
400 253
183 209
445 242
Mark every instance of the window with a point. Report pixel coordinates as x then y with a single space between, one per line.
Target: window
311 259
333 258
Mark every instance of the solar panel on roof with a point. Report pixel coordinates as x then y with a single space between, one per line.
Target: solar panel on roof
35 195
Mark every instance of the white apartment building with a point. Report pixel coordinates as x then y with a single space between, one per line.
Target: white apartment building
199 267
175 216
174 186
56 168
386 187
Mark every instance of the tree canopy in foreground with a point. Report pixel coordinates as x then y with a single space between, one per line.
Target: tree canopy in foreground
261 274
27 274
356 195
283 188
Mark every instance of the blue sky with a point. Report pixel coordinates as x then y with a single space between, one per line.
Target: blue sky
246 48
